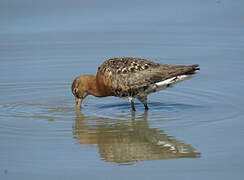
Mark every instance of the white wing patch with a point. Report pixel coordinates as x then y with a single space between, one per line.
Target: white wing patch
169 82
163 85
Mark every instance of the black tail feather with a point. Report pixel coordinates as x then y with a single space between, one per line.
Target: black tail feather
195 67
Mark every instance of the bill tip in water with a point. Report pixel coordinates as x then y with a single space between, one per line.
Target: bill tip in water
78 103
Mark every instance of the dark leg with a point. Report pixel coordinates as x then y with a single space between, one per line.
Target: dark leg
144 101
146 107
132 104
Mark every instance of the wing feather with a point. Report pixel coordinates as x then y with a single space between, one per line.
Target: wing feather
128 75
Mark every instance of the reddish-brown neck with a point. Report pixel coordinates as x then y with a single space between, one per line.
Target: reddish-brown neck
96 87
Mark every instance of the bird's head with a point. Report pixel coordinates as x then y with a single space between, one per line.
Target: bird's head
80 88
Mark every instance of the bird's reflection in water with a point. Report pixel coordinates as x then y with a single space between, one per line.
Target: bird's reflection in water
126 142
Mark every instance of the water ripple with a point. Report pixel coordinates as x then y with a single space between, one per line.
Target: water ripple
51 117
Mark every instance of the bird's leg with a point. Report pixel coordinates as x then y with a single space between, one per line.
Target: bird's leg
133 106
144 101
146 107
131 100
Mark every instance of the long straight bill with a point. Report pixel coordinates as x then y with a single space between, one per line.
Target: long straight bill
78 102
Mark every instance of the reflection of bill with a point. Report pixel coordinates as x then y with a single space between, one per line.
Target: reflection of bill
129 142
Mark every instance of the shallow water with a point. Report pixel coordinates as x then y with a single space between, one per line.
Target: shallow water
193 130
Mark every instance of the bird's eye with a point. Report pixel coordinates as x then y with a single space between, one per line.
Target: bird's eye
75 90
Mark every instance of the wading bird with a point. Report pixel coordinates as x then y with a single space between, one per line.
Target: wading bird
131 78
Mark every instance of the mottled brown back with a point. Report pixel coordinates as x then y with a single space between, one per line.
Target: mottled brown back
128 75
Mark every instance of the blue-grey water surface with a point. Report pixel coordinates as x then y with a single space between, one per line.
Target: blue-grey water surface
192 131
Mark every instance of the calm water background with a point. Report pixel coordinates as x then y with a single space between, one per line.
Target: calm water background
192 131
